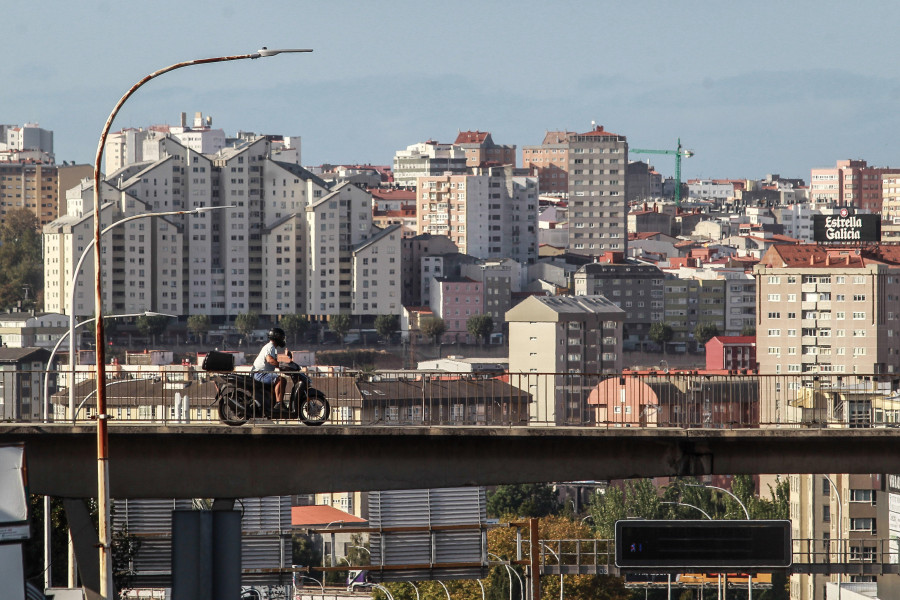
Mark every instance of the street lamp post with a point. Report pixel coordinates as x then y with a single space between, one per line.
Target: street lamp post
559 562
746 514
840 530
508 572
104 517
297 575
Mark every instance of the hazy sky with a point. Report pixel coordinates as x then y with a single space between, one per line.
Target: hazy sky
753 88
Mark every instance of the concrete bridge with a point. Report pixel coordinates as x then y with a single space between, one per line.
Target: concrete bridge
215 461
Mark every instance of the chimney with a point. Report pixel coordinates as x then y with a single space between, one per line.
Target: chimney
812 261
183 120
827 260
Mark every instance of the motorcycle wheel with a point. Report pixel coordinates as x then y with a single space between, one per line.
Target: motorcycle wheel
233 405
315 409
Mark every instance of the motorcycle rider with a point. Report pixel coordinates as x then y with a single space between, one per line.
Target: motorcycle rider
267 361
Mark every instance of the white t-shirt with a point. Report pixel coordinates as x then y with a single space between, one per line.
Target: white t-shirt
261 364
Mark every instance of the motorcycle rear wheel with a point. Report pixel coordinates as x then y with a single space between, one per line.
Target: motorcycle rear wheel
233 406
315 409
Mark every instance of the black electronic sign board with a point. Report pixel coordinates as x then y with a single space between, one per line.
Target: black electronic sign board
705 544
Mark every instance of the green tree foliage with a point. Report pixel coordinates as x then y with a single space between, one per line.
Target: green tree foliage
433 328
245 323
704 332
199 325
152 325
661 333
523 500
387 326
340 325
294 325
21 264
480 326
748 330
639 498
33 548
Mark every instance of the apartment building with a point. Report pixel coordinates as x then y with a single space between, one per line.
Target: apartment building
500 279
890 207
851 183
376 274
415 251
33 186
492 215
550 162
427 159
635 287
597 206
693 298
480 149
642 182
829 311
282 243
26 142
580 335
455 300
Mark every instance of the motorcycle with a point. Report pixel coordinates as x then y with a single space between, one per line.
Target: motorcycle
240 397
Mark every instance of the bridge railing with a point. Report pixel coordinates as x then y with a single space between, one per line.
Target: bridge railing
819 555
683 399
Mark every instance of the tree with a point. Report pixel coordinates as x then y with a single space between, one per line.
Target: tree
661 333
479 327
294 325
523 500
748 330
387 326
433 328
152 325
639 499
246 323
198 325
340 325
20 259
704 332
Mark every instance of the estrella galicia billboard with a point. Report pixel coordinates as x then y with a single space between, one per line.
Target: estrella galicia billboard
845 227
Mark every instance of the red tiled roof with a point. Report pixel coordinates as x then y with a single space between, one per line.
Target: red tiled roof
384 194
321 515
471 137
736 339
598 131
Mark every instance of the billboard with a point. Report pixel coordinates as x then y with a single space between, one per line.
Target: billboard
845 227
703 544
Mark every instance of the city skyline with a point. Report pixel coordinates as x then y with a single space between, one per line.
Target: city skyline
752 90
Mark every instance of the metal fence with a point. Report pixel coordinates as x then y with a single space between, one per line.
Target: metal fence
689 399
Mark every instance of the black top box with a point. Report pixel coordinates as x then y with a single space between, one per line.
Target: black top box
218 361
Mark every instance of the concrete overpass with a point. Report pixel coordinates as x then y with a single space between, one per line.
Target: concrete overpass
214 461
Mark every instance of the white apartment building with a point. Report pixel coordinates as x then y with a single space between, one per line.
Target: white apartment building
427 159
493 215
376 274
282 243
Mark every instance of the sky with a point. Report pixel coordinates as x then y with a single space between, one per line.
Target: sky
752 88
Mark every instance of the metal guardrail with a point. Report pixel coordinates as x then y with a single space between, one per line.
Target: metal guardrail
683 399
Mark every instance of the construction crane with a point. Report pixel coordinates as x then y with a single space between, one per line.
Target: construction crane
679 153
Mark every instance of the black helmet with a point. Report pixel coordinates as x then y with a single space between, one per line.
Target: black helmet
276 334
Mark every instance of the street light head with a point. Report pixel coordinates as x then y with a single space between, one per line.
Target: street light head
150 313
264 52
203 209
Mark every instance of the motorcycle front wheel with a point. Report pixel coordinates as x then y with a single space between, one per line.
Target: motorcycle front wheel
233 406
315 409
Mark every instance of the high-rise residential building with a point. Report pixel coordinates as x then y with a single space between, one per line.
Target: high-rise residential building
597 206
30 185
578 337
26 142
427 159
481 150
550 162
851 183
284 242
890 207
827 316
492 215
500 279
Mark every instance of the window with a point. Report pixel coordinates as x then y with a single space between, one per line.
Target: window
826 513
861 495
867 524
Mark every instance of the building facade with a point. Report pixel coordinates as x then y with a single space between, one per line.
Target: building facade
598 209
550 162
427 159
